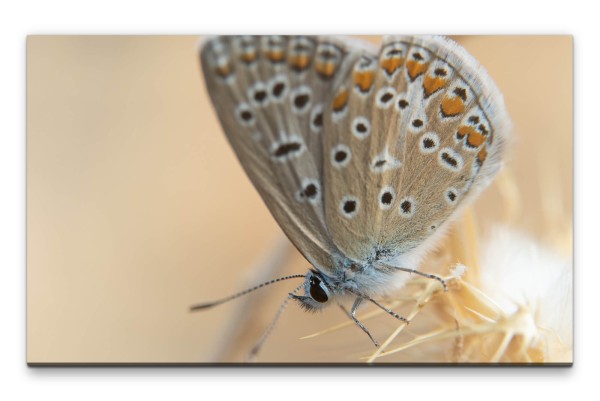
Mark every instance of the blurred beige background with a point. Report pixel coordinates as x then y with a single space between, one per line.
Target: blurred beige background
133 209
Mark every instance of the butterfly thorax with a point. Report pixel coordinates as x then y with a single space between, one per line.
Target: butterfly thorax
349 279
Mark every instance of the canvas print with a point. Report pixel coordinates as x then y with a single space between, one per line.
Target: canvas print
320 199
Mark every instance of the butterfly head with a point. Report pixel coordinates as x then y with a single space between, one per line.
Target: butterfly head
318 290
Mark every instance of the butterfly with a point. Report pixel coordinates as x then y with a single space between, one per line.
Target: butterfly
362 155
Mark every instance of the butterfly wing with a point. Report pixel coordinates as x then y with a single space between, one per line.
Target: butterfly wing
269 93
411 135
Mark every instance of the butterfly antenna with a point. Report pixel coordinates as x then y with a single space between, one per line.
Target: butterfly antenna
207 305
254 351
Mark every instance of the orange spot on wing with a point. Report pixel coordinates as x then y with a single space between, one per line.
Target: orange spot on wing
475 139
452 106
364 80
275 55
433 84
249 57
390 65
465 130
415 69
340 100
223 70
326 69
482 155
300 62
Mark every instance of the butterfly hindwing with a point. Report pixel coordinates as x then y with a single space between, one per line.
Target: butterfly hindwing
421 131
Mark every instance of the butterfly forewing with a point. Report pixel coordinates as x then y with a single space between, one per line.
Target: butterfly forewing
269 93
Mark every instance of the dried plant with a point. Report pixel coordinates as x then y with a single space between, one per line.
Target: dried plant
509 300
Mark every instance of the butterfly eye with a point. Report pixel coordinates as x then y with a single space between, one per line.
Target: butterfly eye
317 290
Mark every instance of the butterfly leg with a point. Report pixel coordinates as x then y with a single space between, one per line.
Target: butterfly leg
352 315
389 311
427 275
